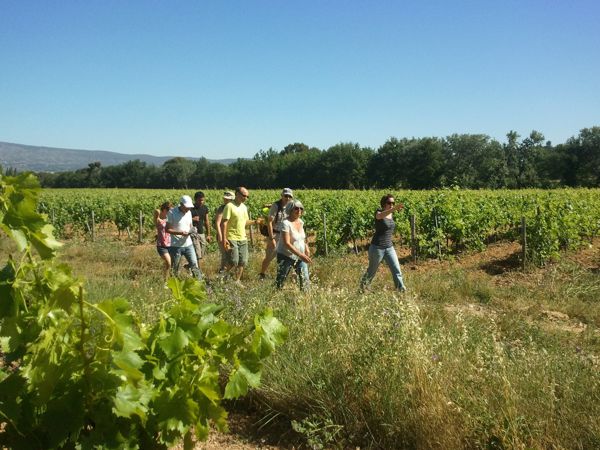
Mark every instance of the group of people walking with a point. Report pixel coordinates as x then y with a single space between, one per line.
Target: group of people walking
185 231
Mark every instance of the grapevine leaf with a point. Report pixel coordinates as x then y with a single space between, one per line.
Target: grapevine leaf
10 388
250 367
129 362
174 343
236 386
175 413
9 305
133 400
19 237
43 241
269 333
118 310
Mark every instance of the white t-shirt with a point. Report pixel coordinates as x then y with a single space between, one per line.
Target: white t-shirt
179 221
297 239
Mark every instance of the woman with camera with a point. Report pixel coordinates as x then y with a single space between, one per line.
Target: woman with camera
381 247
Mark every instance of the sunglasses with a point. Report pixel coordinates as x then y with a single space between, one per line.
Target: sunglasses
390 203
245 196
288 196
297 208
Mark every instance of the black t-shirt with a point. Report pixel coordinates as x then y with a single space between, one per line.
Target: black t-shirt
201 212
384 229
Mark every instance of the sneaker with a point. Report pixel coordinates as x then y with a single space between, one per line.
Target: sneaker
262 276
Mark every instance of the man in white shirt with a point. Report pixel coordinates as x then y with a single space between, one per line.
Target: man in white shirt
179 225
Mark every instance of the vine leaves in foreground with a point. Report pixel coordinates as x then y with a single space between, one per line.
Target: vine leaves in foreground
76 374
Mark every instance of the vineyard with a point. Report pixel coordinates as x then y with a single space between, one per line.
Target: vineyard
468 358
444 221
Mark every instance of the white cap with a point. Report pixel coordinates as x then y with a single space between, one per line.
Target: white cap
186 201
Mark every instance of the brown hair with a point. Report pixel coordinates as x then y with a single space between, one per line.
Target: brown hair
385 199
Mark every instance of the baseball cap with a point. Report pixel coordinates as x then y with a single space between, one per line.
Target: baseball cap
186 201
298 204
228 195
287 191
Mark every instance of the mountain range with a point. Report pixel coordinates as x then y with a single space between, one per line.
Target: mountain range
50 159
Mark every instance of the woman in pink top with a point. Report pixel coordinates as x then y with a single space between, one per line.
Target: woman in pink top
163 239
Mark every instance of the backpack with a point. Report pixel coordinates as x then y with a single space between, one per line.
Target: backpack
263 227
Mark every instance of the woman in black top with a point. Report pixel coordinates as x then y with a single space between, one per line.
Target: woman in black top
381 245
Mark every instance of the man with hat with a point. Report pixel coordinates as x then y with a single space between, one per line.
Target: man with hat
179 225
278 212
228 196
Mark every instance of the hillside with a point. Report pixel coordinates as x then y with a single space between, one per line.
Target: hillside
51 159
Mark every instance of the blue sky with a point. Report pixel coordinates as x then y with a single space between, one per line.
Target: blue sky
225 79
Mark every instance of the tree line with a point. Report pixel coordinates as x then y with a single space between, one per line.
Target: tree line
470 161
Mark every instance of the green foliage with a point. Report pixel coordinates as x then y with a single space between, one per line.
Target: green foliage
447 220
76 373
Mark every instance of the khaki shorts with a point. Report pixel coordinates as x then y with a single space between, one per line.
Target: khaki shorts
238 254
200 245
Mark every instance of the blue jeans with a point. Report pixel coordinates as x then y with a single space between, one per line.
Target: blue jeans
376 254
285 264
190 254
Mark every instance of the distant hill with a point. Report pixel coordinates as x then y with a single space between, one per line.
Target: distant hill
51 159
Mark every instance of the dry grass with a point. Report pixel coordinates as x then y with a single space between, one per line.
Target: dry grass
476 355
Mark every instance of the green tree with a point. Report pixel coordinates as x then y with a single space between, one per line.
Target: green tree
177 172
474 161
344 166
582 158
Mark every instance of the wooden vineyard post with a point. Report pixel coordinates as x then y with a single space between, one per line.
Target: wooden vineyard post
140 227
438 245
325 233
523 242
93 227
87 223
413 238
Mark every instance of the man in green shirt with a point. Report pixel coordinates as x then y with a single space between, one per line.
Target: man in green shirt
235 219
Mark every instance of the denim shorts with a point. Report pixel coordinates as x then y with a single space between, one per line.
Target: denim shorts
162 250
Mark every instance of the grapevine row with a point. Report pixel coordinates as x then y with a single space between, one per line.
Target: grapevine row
447 221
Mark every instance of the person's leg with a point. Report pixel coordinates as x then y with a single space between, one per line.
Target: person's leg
284 265
375 257
201 250
197 247
166 257
224 257
270 254
303 278
190 255
391 259
175 253
242 259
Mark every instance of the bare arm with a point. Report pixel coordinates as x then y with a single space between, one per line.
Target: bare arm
170 230
218 226
225 223
207 226
386 212
288 244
